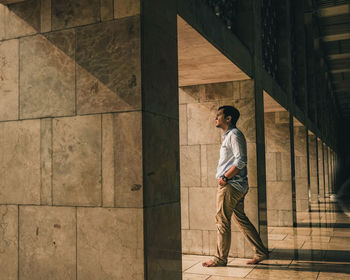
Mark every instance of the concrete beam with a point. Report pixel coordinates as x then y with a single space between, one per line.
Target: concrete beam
334 11
336 37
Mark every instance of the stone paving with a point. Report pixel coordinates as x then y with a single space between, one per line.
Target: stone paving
318 249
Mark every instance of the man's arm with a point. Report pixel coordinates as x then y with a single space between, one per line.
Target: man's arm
232 172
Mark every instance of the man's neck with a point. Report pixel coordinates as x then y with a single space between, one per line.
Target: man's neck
227 128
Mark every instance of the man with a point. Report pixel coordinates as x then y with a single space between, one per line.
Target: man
232 188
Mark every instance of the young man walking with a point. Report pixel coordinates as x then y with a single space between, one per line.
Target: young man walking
232 188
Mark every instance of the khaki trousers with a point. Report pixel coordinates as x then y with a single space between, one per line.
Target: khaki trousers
230 202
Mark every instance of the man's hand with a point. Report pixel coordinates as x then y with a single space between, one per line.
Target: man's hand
221 182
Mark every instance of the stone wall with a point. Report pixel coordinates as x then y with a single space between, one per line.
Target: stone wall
313 162
301 172
278 169
200 143
321 185
81 194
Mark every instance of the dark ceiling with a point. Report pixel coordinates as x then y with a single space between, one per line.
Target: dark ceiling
334 23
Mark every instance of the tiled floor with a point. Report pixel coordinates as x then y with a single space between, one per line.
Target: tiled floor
318 249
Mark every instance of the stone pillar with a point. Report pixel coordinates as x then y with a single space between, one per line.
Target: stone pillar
320 163
278 169
200 144
90 152
301 172
313 167
326 169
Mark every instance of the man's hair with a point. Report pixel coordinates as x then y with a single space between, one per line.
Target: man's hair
230 111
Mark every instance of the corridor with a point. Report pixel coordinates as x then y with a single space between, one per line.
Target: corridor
317 249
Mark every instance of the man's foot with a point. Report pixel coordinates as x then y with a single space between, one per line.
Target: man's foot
212 263
256 260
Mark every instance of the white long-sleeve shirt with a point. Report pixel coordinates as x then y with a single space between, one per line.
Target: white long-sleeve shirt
233 151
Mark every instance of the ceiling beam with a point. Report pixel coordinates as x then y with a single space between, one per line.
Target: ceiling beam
339 56
336 37
7 2
334 11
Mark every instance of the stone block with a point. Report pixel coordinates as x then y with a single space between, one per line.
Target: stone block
126 8
218 91
2 21
128 159
191 94
192 242
185 223
47 239
108 161
45 15
20 162
107 9
72 13
183 124
251 206
204 166
22 19
190 166
108 70
47 84
77 161
247 125
108 238
252 165
246 107
213 155
279 218
163 242
247 89
279 195
160 161
201 123
301 188
205 218
286 166
46 161
302 205
9 242
206 242
9 80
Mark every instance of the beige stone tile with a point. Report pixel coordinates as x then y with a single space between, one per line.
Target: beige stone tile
190 276
163 231
47 242
22 19
47 84
224 278
9 242
236 89
183 124
213 155
126 8
74 13
191 94
273 273
232 271
46 161
247 89
251 205
107 9
9 80
108 237
185 223
279 196
192 242
190 168
77 161
2 21
160 162
20 162
280 218
204 166
332 276
109 78
197 258
252 165
273 236
108 161
218 91
186 264
128 159
45 11
206 242
201 123
271 167
202 208
286 166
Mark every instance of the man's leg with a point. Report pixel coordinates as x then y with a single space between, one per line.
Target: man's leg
250 233
226 203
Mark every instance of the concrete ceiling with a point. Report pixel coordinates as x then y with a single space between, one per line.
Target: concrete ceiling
200 62
271 105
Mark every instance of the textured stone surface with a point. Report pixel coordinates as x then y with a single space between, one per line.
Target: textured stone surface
191 94
205 200
192 241
279 195
183 124
251 165
9 242
163 254
185 223
110 243
108 72
213 154
126 8
47 84
218 91
128 159
160 159
45 15
106 9
47 242
77 161
9 80
46 161
20 162
108 162
247 89
190 166
74 13
22 19
201 123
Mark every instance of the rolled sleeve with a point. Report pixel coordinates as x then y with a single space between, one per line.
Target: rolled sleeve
238 146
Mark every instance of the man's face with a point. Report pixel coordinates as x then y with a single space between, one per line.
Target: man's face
220 118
